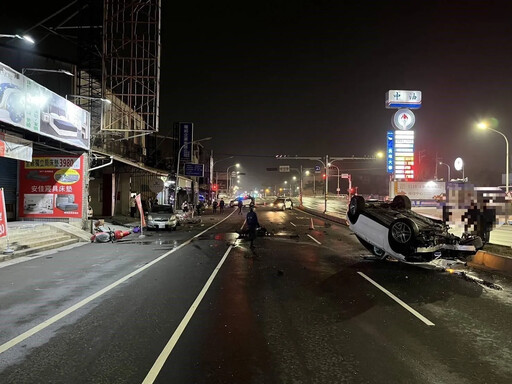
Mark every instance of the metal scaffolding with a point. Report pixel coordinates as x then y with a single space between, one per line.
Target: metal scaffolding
131 67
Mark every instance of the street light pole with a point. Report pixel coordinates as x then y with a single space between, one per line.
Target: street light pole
228 178
337 189
178 169
300 194
484 125
326 181
441 163
218 161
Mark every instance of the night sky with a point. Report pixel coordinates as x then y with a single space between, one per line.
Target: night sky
309 78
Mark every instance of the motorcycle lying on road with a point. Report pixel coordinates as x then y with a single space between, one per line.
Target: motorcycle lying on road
107 235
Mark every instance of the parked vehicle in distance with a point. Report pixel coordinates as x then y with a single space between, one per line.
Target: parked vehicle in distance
162 217
282 203
394 230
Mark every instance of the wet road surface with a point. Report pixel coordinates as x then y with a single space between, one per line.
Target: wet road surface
199 306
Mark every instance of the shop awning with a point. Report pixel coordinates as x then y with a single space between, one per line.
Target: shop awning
158 172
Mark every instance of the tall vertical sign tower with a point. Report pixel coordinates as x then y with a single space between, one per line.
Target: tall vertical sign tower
400 143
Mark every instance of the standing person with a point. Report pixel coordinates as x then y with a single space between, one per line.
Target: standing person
252 224
214 206
199 207
221 205
133 206
240 206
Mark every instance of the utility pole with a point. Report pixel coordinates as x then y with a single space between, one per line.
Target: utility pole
437 162
326 181
300 195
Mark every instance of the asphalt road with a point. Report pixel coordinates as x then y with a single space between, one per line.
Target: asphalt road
198 306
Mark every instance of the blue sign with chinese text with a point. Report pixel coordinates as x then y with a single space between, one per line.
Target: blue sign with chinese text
186 137
194 169
390 151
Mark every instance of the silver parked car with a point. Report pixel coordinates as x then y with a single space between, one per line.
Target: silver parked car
162 217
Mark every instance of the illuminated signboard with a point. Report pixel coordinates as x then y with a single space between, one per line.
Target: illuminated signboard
404 155
186 138
390 154
403 99
30 106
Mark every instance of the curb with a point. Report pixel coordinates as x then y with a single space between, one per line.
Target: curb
490 261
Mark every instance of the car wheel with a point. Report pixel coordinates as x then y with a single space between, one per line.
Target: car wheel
401 202
355 207
402 236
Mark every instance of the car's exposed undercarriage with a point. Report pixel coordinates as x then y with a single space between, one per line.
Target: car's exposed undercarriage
411 237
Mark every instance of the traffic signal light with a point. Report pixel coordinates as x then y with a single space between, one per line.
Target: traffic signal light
323 176
215 187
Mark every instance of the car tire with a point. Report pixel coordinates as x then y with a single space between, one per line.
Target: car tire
355 207
402 236
401 202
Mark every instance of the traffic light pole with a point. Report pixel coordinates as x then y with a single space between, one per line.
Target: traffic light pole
316 158
333 159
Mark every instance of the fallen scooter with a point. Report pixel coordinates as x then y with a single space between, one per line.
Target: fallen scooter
107 235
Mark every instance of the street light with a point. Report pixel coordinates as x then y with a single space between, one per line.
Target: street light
228 178
25 38
332 165
441 163
484 125
90 98
63 71
215 162
178 168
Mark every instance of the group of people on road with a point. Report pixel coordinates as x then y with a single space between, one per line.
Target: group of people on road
219 204
251 218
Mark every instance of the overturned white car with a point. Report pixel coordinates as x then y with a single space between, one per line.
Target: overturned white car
394 230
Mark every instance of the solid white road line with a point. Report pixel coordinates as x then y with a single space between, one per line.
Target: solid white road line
18 339
315 240
413 311
162 358
292 224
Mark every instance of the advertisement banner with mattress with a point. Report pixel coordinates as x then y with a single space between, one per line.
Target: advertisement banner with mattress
51 187
28 105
